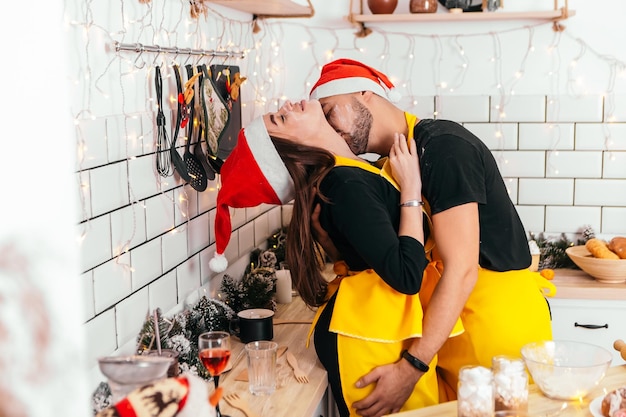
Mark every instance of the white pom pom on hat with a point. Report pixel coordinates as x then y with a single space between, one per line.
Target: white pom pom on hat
344 76
253 174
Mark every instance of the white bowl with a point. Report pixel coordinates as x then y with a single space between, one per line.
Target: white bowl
566 370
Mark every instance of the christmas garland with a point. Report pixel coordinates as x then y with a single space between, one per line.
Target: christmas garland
256 289
552 250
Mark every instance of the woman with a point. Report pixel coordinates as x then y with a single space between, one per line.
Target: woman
370 312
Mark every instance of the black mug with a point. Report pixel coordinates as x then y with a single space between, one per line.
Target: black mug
253 324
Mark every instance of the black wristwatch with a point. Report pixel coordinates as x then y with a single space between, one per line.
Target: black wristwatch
415 362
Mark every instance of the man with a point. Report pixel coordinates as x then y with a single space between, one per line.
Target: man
478 238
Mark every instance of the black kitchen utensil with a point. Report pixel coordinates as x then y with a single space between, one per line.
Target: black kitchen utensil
163 161
175 157
194 167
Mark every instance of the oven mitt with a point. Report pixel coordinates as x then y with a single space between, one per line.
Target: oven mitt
216 111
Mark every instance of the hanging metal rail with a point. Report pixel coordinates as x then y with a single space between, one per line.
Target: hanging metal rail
140 48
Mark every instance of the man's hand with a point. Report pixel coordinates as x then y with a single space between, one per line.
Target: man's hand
322 237
394 384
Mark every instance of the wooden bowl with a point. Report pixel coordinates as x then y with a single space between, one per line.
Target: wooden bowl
610 271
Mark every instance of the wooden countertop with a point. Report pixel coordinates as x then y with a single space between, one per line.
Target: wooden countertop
538 404
574 283
292 398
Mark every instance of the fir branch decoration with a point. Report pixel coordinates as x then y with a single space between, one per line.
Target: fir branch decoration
256 289
181 332
553 254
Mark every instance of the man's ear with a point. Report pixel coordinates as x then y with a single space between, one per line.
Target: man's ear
366 95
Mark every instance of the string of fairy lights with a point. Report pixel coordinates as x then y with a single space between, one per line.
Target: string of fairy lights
110 82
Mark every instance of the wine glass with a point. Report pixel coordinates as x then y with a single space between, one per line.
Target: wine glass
214 353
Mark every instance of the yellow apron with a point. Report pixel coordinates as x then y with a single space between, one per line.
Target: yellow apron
374 323
505 311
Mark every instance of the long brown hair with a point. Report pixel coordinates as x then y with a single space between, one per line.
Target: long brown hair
307 166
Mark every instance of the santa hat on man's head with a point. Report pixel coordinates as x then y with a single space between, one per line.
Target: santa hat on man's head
344 76
253 174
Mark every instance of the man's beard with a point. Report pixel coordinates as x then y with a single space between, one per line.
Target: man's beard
359 137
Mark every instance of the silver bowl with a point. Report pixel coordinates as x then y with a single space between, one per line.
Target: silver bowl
126 373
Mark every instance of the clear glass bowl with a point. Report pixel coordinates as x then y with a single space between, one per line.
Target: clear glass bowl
125 373
566 370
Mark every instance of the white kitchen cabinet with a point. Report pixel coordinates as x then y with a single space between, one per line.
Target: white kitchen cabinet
599 322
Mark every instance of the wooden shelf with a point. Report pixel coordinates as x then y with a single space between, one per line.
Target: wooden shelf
555 16
268 8
552 15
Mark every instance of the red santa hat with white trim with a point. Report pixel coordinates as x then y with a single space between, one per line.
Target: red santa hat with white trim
253 174
344 76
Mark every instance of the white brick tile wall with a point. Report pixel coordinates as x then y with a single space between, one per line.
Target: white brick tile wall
571 219
143 179
130 315
546 191
596 136
495 135
614 220
615 108
519 109
146 263
246 238
96 242
128 227
574 109
261 229
552 136
188 276
463 108
208 199
274 219
521 163
83 196
86 283
111 282
232 250
159 214
569 164
174 247
198 233
237 217
185 203
614 165
253 212
423 107
100 336
163 293
212 226
532 217
149 128
91 144
205 256
600 192
124 137
512 188
109 188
